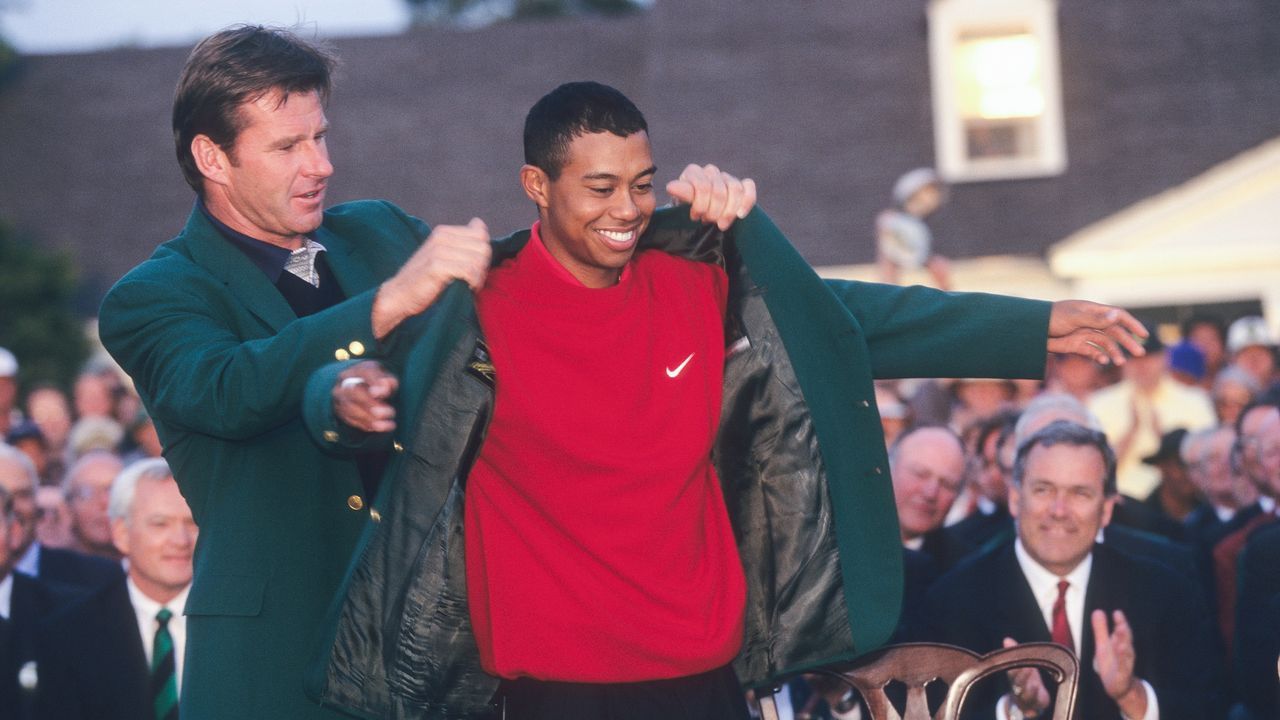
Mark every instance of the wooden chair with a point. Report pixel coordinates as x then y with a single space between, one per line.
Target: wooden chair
916 665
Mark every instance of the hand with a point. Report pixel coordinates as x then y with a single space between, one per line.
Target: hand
713 196
451 252
1094 331
1113 658
1029 692
361 398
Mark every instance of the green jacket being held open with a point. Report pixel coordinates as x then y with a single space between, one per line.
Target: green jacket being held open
800 456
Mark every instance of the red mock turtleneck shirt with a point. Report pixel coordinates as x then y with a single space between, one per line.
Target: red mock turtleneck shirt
598 548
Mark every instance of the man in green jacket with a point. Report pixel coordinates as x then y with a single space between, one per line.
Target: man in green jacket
220 329
529 398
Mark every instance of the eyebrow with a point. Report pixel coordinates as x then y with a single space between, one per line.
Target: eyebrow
651 170
286 141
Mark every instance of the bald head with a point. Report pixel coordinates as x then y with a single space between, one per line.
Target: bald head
927 465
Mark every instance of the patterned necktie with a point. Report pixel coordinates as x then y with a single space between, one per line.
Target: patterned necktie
164 680
1061 628
302 262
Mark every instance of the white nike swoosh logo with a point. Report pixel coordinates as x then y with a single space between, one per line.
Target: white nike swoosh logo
672 373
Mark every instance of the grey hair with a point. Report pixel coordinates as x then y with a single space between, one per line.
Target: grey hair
125 486
9 452
1065 432
1059 406
1238 375
69 479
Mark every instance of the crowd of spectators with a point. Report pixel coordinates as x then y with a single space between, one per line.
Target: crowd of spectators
1192 433
1186 547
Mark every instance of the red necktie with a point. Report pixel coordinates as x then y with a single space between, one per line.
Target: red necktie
1061 628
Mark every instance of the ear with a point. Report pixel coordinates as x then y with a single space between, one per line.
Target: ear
1015 497
536 184
1108 505
212 161
120 535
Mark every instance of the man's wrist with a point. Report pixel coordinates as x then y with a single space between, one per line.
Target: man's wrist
1133 701
385 315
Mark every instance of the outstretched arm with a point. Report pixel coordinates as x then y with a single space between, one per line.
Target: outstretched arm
1095 331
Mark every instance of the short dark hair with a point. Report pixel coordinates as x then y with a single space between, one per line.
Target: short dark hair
1065 432
235 66
574 109
1212 321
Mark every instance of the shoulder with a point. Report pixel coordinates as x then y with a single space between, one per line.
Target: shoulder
665 267
380 217
974 576
99 613
1144 579
73 568
1264 545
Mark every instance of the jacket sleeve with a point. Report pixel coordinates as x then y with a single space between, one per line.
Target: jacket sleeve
195 372
324 427
203 363
921 332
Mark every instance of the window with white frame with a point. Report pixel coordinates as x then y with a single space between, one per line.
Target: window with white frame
997 98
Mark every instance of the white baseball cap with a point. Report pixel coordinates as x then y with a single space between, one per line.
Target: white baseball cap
1248 331
8 364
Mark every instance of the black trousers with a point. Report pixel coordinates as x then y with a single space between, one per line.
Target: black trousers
714 695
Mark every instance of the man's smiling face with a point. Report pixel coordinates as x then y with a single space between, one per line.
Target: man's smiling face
595 211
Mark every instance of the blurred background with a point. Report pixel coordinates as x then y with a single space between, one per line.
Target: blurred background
1118 150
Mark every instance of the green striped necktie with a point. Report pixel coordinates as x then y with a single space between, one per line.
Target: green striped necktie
164 679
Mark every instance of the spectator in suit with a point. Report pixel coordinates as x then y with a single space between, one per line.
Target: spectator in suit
48 408
1209 469
87 487
118 654
990 465
1142 637
1257 628
1130 527
1257 451
1232 392
53 518
24 603
1176 496
927 465
62 567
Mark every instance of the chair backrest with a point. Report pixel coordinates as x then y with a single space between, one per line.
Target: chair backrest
916 665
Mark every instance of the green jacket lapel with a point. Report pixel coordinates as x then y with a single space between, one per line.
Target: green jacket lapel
207 248
354 275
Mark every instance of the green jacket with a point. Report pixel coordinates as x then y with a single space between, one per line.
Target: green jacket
800 456
220 362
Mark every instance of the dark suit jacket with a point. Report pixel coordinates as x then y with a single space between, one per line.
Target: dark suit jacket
1130 512
1257 635
987 598
980 528
92 663
31 602
946 548
77 569
220 361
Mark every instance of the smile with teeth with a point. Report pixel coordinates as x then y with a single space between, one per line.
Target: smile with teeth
618 236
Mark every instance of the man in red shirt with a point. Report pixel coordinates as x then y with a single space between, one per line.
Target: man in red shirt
603 576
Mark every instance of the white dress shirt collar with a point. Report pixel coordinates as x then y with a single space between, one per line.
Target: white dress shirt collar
1044 586
6 596
146 609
